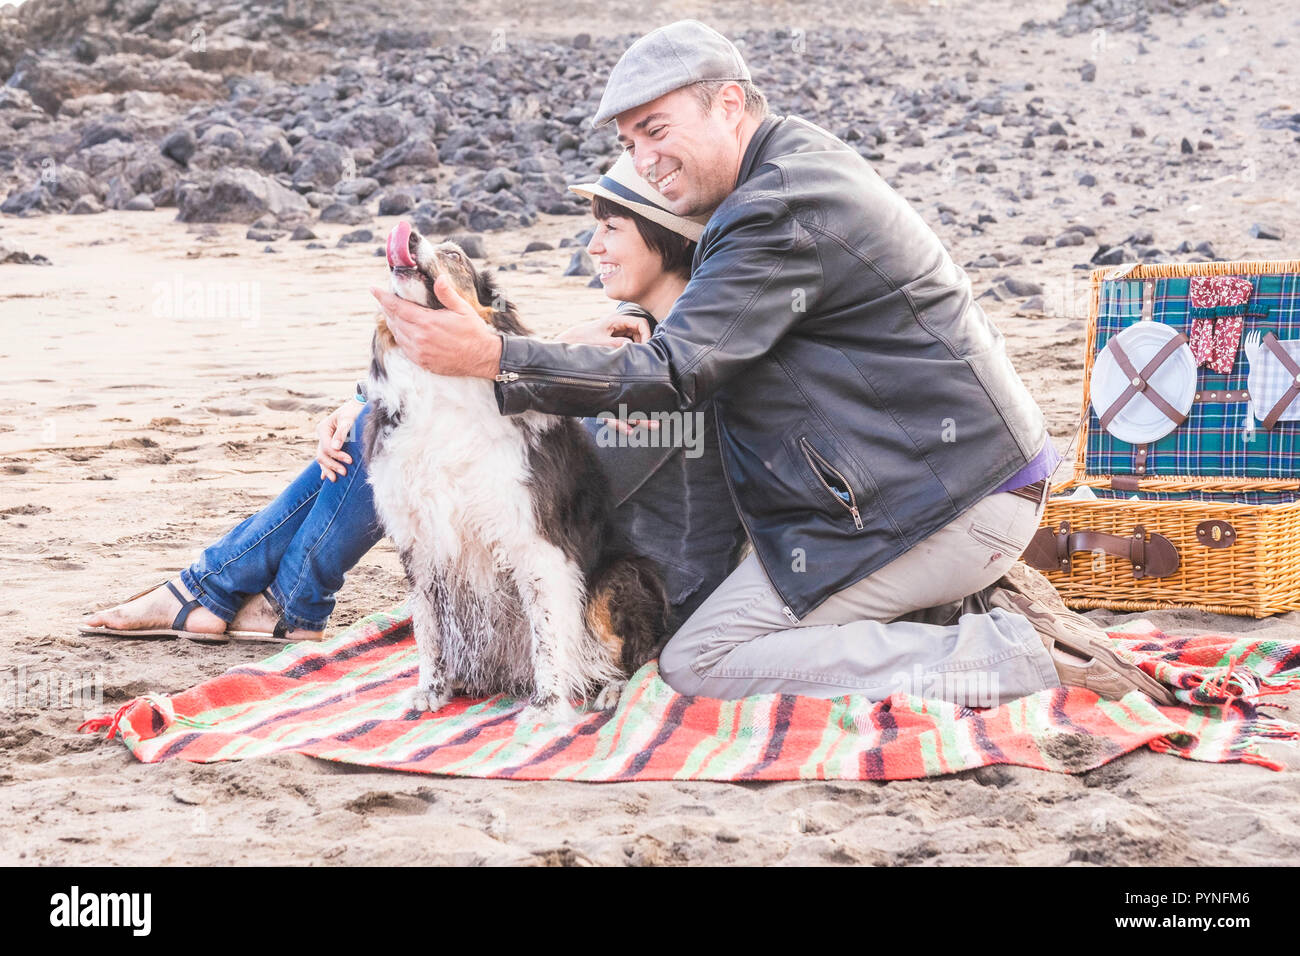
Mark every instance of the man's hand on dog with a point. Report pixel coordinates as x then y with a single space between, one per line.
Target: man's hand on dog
451 341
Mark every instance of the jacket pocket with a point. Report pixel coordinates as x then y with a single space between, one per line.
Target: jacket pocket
833 481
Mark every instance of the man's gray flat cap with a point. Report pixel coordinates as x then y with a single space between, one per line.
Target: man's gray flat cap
667 59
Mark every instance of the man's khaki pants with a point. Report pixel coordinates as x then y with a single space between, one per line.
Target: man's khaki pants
739 642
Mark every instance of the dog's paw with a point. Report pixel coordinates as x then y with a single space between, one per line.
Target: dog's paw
609 696
424 698
553 712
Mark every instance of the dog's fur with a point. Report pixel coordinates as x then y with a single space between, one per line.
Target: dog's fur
503 524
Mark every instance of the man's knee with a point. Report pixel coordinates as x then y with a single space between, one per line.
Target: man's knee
676 666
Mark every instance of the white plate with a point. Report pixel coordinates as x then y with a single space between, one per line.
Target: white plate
1140 421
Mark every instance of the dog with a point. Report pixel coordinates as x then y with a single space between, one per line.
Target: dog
518 583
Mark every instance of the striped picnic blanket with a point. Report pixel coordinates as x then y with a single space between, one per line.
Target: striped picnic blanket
339 700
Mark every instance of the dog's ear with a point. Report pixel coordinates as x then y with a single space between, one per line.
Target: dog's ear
504 318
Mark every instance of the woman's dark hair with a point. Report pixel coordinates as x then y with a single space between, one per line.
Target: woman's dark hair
675 250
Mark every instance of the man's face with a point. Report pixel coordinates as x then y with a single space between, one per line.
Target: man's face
691 157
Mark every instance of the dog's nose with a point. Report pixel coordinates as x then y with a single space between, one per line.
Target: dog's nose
399 246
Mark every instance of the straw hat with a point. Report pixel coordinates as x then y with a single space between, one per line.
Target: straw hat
623 185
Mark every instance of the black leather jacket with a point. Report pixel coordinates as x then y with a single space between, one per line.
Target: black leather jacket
863 399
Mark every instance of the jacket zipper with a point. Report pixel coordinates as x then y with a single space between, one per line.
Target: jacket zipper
852 504
785 607
559 379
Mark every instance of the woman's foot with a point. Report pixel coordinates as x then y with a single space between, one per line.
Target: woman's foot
155 610
259 614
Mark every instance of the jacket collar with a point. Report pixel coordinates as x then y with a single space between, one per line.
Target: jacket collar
754 151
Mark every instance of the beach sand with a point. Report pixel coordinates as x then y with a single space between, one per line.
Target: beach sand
130 437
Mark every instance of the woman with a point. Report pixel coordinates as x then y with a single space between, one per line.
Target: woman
274 576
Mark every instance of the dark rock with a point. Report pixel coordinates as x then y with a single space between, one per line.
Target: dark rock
16 257
141 202
324 166
86 206
580 264
179 145
1088 72
538 246
1034 239
1056 129
1267 231
263 235
238 195
275 156
1022 287
470 243
913 138
1069 238
344 213
1187 147
1136 131
300 233
1087 179
357 235
395 203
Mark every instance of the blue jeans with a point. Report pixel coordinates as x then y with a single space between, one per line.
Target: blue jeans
675 507
297 548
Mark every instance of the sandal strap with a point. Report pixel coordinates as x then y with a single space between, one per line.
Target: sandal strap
187 607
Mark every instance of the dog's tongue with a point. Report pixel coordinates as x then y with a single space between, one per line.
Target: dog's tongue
399 246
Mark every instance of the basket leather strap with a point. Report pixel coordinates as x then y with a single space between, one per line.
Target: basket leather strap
1053 550
1139 381
1288 363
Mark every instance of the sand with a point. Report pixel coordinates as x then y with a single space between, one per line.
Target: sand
130 436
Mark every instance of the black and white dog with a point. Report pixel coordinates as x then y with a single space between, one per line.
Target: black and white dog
503 523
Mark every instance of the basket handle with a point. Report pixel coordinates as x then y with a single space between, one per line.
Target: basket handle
1053 550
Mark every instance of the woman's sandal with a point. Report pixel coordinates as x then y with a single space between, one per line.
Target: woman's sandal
177 630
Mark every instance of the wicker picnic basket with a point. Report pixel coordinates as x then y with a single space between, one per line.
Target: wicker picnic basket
1207 516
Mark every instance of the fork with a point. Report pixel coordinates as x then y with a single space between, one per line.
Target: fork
1254 347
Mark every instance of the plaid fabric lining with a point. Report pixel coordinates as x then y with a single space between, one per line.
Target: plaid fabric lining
1212 441
1221 497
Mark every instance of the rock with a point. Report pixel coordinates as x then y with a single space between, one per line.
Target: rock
1022 287
238 195
1034 239
1069 238
470 243
179 145
275 156
1186 147
538 246
1108 199
1032 306
988 166
1111 256
1087 179
580 264
300 233
357 235
913 138
499 179
263 235
10 255
1137 131
395 203
1267 231
1056 129
141 202
1205 249
358 188
1088 72
85 206
986 262
324 166
992 105
344 213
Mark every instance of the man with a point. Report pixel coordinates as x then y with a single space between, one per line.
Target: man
882 453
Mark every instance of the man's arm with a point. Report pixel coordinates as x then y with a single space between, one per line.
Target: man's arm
753 285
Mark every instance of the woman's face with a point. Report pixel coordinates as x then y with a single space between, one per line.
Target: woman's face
627 267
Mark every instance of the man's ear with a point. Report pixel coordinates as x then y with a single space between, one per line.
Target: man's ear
732 100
